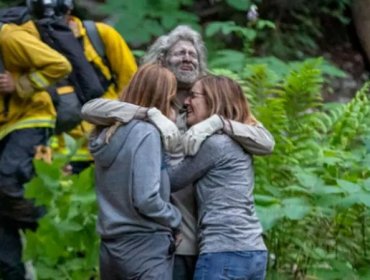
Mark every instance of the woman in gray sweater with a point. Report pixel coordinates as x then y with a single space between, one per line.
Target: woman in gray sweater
136 221
229 232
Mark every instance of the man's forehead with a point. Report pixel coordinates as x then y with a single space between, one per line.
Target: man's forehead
182 44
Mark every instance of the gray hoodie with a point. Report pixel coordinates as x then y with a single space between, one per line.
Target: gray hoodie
132 184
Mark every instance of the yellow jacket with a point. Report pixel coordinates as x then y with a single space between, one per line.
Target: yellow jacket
122 64
34 66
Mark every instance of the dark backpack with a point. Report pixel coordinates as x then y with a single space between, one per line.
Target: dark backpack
57 34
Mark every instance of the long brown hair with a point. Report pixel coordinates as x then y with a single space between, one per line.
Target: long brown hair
225 97
152 86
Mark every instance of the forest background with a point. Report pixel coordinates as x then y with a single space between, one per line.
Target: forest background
304 67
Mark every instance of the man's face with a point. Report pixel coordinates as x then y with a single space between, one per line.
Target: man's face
182 59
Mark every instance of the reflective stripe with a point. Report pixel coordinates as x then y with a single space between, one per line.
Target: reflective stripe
28 123
39 80
80 155
65 90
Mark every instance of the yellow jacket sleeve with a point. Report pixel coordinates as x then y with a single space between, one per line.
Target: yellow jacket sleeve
39 65
122 62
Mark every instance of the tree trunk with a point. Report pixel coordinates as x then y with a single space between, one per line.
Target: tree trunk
361 19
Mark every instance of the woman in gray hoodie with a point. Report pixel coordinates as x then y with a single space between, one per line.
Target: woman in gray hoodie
229 232
136 221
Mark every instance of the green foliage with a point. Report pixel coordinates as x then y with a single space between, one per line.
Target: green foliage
312 194
65 245
285 29
300 25
150 18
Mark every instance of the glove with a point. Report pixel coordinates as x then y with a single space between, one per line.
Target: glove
194 137
170 134
106 112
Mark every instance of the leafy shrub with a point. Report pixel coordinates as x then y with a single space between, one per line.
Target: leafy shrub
65 245
312 194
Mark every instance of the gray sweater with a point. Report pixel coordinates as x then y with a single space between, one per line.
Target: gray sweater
223 178
132 183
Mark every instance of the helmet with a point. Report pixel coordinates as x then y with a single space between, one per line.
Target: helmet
63 6
49 8
41 8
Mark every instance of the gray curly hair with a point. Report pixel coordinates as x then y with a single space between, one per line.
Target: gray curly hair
163 44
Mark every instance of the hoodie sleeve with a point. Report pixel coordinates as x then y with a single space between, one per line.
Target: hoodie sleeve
147 183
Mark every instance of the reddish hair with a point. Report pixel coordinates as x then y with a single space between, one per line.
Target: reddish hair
152 86
225 97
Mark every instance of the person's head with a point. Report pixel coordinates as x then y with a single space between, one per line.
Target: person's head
63 7
182 51
217 95
48 8
152 86
41 8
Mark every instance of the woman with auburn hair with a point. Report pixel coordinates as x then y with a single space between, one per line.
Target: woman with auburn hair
136 221
229 232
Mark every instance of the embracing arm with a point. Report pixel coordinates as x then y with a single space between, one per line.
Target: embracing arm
106 112
147 183
192 168
255 139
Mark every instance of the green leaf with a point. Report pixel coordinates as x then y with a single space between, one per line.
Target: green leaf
296 208
269 216
241 5
265 200
228 58
37 190
348 186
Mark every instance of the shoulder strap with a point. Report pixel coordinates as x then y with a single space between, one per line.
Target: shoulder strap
94 37
2 68
98 44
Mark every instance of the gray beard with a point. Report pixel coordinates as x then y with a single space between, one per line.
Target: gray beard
185 77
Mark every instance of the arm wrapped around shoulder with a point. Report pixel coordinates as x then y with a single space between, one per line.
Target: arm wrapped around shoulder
170 134
255 139
195 136
107 112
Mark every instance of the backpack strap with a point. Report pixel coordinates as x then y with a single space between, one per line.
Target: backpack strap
2 68
98 44
94 37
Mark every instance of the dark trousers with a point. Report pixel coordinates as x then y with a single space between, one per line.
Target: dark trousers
184 267
137 257
17 151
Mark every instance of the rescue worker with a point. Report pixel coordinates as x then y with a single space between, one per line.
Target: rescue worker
27 117
114 71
